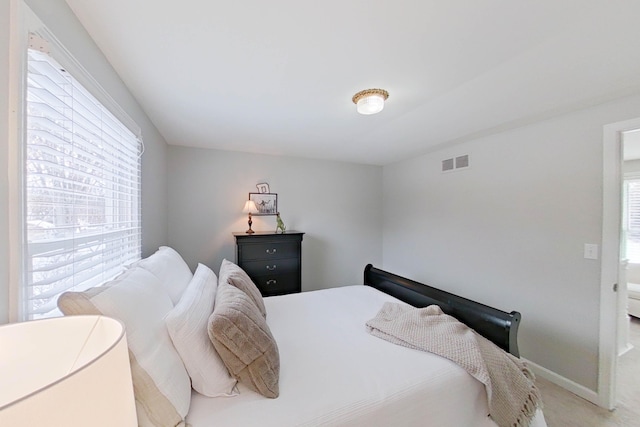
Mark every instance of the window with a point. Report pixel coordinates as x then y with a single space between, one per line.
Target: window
81 189
631 220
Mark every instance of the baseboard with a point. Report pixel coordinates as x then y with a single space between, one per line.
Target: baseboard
565 383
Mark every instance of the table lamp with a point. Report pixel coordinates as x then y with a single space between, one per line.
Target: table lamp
66 371
250 207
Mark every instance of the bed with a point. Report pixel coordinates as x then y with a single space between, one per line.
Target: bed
331 371
334 373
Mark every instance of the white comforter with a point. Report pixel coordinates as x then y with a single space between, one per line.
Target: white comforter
334 373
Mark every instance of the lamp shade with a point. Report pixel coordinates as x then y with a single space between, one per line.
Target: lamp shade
66 371
250 207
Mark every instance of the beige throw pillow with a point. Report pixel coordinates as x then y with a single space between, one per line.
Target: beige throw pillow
244 342
234 275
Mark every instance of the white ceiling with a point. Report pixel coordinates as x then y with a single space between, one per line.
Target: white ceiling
277 77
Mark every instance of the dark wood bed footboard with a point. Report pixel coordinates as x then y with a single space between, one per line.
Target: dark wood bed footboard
497 325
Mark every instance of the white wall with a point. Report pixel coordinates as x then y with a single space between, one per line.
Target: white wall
336 205
631 166
4 144
510 230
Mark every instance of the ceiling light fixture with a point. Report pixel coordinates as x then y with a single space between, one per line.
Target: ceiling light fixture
370 101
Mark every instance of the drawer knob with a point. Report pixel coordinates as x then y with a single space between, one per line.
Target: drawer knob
271 251
272 282
271 267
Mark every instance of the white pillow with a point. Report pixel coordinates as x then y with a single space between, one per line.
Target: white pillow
160 382
168 266
187 326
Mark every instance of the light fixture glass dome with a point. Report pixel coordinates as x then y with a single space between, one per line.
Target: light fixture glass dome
370 101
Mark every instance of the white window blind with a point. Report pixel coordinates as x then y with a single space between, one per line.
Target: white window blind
81 188
631 220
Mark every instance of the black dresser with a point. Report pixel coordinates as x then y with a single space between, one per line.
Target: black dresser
272 260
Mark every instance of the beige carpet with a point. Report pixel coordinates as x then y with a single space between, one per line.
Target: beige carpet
564 409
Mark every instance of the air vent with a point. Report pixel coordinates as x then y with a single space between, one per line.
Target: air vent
462 161
447 165
455 163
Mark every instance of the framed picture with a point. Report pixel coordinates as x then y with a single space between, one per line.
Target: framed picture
263 187
267 203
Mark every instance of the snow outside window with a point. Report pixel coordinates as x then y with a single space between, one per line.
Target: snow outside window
82 218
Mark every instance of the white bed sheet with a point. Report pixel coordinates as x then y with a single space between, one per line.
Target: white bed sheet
334 373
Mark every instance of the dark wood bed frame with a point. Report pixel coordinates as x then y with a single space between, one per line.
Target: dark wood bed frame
497 325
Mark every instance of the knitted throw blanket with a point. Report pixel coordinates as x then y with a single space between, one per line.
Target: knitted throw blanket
512 395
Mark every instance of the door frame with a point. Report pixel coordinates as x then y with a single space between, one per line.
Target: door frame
610 259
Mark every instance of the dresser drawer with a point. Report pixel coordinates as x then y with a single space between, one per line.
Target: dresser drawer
272 260
270 250
278 284
271 267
